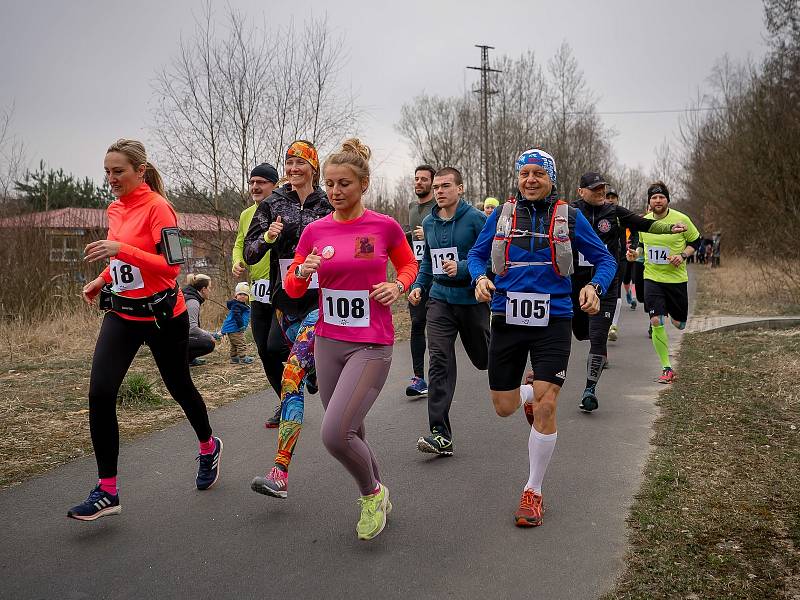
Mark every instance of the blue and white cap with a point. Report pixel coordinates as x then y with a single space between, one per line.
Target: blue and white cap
534 156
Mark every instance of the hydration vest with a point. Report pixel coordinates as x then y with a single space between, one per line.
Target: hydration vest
557 236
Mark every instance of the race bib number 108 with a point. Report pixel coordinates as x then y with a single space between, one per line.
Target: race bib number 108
345 308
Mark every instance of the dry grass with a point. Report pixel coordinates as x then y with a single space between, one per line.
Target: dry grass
718 515
44 381
740 287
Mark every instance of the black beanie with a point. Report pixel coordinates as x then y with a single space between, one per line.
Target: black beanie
267 171
657 188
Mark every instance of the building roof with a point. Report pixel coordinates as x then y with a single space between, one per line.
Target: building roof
97 218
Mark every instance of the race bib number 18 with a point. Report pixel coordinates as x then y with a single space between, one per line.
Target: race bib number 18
124 277
657 255
531 310
345 308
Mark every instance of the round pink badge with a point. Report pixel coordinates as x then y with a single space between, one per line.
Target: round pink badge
327 252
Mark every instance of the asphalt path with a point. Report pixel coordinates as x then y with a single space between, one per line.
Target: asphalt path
450 535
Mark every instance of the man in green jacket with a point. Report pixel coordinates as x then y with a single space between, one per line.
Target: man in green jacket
262 181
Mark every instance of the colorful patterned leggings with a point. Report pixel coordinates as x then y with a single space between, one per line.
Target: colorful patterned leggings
298 367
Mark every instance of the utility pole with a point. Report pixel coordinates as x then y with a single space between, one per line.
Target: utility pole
484 91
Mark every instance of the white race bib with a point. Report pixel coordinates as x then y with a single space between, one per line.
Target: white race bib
439 255
419 249
657 255
285 263
531 310
345 308
124 277
260 290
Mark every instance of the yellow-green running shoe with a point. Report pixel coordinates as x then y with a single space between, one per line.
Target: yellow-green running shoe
374 509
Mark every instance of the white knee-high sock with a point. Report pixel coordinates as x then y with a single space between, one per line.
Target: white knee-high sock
525 394
540 449
616 312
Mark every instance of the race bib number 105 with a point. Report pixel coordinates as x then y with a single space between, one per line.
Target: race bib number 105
531 310
345 308
124 277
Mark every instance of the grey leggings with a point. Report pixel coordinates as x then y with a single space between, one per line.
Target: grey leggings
350 377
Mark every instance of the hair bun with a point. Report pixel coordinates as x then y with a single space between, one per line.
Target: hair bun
357 147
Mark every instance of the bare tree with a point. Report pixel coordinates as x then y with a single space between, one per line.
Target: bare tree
12 154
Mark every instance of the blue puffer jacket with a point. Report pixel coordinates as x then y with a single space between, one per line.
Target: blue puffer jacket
541 279
460 233
238 317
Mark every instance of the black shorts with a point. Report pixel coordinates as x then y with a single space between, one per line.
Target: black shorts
510 345
667 299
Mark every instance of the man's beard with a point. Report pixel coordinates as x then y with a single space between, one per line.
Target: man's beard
422 194
660 211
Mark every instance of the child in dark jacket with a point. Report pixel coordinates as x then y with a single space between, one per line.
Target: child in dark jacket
236 323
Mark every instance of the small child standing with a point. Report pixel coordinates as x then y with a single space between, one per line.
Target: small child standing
236 323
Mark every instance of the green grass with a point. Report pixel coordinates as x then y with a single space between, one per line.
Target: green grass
718 515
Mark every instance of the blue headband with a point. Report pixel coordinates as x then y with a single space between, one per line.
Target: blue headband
537 157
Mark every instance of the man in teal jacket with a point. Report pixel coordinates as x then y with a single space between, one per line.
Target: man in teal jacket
450 232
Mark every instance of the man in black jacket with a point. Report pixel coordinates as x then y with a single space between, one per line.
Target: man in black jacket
609 222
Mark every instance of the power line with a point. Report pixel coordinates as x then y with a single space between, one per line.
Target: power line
642 112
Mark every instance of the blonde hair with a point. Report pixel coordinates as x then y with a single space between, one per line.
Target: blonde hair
353 154
135 153
198 281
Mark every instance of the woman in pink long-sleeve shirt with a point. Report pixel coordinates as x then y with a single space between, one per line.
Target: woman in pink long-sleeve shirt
350 250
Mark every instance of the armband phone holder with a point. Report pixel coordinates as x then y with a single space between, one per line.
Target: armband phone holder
171 246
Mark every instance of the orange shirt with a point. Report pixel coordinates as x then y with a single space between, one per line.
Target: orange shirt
138 271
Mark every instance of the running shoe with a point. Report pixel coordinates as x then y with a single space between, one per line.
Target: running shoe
436 443
629 297
650 331
612 333
275 484
196 362
246 360
234 360
530 511
311 383
275 419
208 469
417 388
667 376
374 509
98 504
588 400
634 304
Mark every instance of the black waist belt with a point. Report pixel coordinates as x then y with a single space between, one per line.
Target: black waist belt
159 305
453 284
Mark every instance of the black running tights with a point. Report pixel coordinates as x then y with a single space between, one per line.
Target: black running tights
117 344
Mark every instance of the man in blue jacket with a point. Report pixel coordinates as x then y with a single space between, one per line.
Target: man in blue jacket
450 231
531 252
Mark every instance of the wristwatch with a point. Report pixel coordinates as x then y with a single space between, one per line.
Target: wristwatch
298 272
400 286
596 287
684 256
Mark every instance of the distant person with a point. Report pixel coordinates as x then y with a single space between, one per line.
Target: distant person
417 211
236 322
144 306
709 247
201 342
489 205
715 249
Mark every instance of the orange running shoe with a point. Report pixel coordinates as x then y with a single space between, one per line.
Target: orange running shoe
530 511
667 376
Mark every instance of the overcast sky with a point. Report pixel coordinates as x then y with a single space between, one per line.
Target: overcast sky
80 72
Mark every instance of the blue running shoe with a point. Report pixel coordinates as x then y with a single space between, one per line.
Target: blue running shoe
417 388
588 400
98 504
208 470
